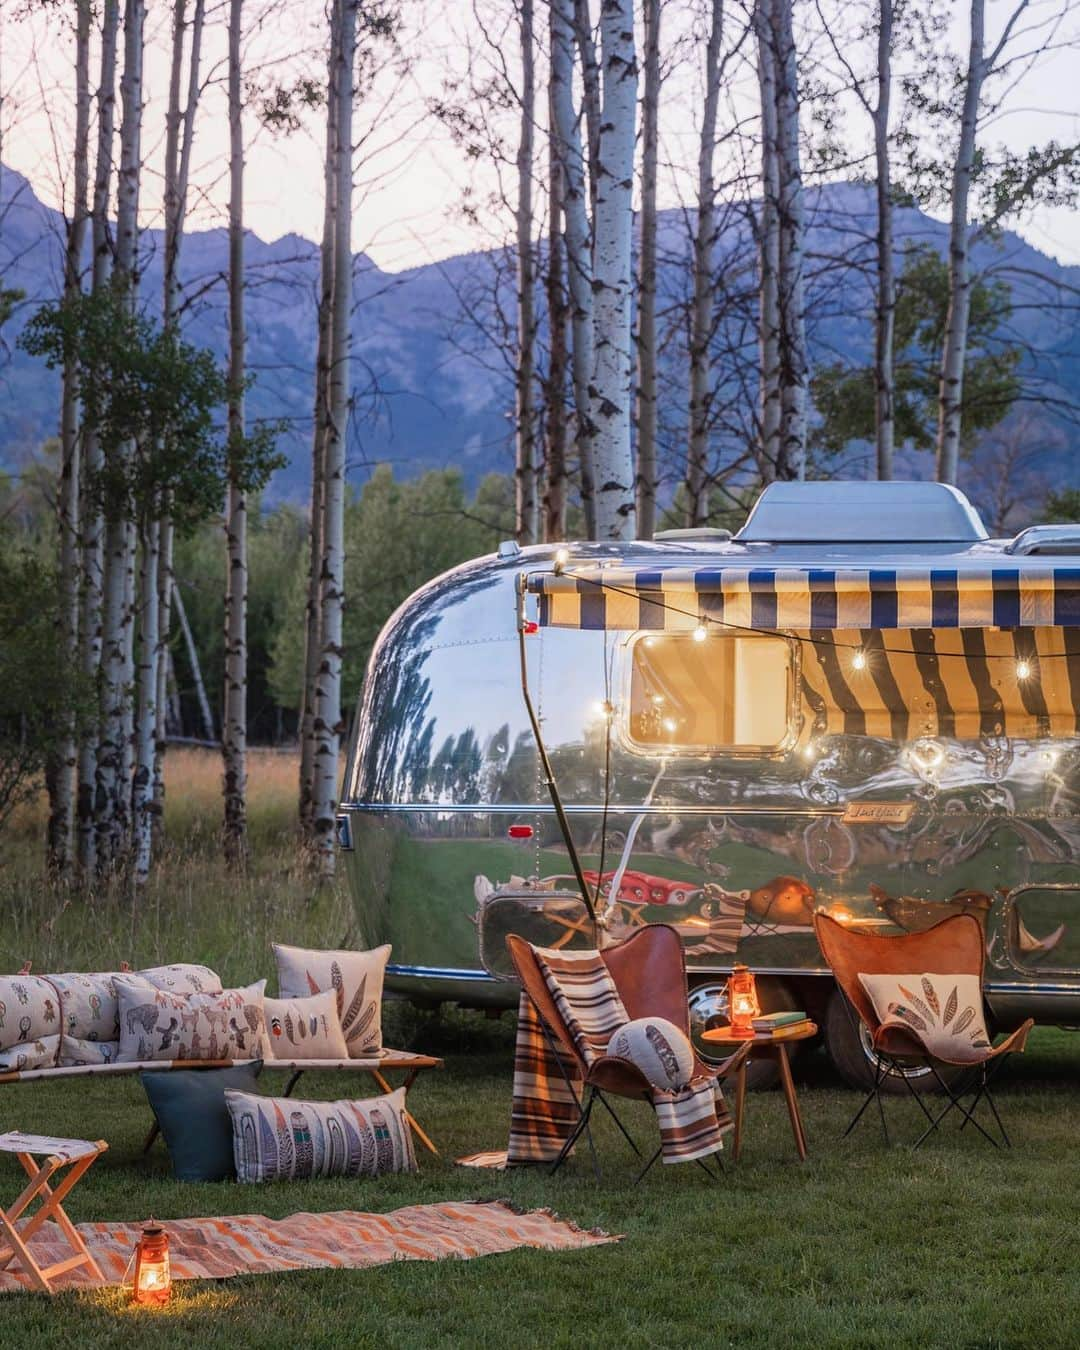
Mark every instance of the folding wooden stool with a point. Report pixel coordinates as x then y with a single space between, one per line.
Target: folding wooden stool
76 1154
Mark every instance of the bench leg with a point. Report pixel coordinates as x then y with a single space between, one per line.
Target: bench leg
387 1088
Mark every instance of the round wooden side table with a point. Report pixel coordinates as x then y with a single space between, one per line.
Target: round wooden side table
773 1044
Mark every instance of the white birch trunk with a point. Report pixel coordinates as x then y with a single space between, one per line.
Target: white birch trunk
701 313
91 520
647 467
180 131
526 513
328 691
612 383
555 471
205 715
234 712
566 127
320 425
590 83
113 797
885 310
61 772
768 251
794 366
149 653
954 347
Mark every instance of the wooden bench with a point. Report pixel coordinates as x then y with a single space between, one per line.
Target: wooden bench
389 1061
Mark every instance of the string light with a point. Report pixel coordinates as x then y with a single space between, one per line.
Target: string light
699 633
562 557
1023 670
858 661
602 708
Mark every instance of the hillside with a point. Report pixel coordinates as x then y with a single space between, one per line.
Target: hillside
433 389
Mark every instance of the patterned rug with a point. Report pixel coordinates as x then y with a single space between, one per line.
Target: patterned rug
251 1244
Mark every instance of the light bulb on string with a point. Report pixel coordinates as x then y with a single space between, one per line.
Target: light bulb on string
1023 670
858 661
700 633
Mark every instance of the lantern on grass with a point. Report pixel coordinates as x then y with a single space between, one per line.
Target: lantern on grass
153 1282
743 1005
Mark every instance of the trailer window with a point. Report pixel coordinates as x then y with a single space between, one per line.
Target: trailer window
725 693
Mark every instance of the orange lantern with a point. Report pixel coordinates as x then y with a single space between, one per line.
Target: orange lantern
153 1281
743 1005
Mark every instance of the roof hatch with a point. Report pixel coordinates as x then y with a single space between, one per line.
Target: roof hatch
862 513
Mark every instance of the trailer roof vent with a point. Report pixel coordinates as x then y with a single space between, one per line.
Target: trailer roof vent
705 533
1045 539
862 513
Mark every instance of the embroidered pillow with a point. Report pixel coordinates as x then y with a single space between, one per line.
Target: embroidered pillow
182 979
944 1012
658 1048
282 1139
356 979
304 1028
586 997
30 1023
90 1016
156 1024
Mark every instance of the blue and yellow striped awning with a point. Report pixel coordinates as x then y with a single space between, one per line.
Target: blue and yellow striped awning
675 599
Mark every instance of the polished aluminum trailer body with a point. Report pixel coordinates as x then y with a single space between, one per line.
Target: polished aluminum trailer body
880 826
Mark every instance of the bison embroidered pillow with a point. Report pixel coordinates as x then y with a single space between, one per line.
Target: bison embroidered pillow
282 1139
157 1024
943 1012
357 981
304 1028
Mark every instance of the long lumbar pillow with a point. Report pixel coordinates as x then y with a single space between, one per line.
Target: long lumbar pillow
157 1024
357 981
282 1139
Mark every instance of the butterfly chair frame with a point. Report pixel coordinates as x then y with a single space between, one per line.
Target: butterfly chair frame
649 972
954 946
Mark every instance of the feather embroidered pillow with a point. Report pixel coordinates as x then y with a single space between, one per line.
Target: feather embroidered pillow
943 1012
304 1028
282 1139
157 1024
356 979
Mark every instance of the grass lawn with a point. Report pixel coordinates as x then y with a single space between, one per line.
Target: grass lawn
955 1245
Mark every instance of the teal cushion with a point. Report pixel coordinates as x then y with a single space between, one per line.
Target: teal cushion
190 1108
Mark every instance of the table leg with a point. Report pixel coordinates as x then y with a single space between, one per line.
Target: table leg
740 1104
792 1100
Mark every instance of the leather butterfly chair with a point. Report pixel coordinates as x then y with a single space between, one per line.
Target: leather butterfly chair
955 946
649 971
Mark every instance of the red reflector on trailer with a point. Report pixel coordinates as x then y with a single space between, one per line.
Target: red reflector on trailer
520 831
530 626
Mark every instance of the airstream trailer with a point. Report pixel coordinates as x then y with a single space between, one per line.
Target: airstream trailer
859 703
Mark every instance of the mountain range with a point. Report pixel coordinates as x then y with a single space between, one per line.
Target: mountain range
432 386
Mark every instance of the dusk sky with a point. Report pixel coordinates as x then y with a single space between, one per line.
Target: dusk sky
410 175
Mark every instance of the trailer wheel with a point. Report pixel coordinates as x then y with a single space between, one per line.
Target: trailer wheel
849 1047
709 1008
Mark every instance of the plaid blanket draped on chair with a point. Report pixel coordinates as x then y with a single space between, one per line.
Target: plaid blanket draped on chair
546 1106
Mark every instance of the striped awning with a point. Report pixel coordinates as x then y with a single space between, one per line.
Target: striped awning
679 598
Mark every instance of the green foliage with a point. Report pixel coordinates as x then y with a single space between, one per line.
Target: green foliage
398 535
40 693
143 386
844 397
8 300
1062 506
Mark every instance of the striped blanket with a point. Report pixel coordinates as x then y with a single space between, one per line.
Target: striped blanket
545 1107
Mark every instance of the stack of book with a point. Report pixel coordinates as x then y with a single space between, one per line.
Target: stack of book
775 1023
